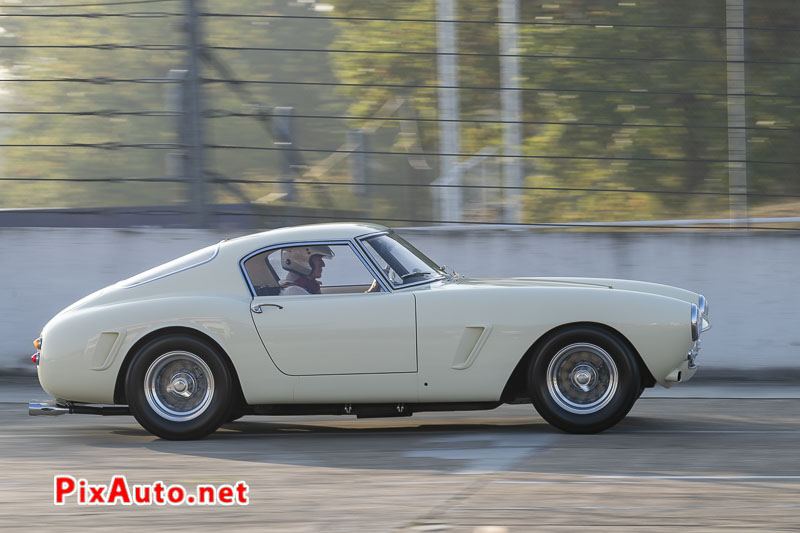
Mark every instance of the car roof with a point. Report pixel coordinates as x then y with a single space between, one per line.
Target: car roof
311 232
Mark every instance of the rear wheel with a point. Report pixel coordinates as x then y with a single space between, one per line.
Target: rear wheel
583 380
178 387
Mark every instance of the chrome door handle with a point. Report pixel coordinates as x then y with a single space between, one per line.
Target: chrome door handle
256 308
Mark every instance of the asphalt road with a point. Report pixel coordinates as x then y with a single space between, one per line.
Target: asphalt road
687 463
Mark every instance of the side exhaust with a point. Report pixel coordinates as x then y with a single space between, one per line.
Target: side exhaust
53 408
47 408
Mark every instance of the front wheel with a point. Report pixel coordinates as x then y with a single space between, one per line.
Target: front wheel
583 380
179 387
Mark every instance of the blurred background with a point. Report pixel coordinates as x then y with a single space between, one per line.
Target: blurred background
639 139
242 114
643 139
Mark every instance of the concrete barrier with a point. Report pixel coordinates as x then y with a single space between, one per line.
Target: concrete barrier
752 280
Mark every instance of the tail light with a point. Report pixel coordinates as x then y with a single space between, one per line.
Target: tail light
38 345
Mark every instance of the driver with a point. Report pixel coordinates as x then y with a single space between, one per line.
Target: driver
304 265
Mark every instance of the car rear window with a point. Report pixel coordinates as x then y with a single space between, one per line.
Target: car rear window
180 264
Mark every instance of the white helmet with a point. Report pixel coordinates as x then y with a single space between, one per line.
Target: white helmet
298 258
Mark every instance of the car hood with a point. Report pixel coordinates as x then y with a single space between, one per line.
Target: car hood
604 283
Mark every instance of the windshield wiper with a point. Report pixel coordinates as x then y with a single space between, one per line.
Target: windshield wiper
410 274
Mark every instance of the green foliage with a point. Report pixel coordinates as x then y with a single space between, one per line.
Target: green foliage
40 63
633 145
615 100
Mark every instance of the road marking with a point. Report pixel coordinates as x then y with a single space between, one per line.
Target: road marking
635 479
432 527
721 431
494 452
626 507
401 483
724 478
44 436
509 482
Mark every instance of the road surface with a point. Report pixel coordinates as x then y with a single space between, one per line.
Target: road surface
676 463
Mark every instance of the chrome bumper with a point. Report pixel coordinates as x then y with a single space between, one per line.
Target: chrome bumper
687 369
693 353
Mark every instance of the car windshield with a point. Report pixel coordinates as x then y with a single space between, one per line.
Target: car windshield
402 263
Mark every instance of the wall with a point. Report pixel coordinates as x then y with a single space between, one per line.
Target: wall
750 280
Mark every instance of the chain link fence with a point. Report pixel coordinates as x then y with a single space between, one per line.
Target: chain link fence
204 113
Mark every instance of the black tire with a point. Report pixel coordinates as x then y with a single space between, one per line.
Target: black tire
179 387
584 380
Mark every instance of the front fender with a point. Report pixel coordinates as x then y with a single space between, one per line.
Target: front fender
499 324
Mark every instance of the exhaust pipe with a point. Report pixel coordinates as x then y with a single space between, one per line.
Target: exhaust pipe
47 408
53 408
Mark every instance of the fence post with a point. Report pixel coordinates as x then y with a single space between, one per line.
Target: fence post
737 112
450 199
193 108
175 103
283 136
357 141
511 102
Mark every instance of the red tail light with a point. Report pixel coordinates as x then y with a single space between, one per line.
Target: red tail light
38 345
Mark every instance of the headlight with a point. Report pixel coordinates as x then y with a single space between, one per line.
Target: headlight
703 306
695 323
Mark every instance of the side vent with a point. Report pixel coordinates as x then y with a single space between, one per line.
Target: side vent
101 349
471 344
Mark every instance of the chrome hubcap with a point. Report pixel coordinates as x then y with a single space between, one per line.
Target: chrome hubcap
179 386
582 378
182 385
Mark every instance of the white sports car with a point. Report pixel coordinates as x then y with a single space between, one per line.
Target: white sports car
352 319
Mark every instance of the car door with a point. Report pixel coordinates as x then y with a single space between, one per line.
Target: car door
344 330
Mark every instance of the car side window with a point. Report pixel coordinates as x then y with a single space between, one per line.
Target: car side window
263 277
383 264
310 269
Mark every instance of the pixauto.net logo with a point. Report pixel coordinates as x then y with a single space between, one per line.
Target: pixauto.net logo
120 492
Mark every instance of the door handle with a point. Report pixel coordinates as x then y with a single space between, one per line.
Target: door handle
256 308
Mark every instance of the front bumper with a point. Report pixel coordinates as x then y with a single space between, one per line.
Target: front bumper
700 323
687 369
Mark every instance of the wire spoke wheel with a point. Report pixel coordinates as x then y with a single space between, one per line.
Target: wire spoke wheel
582 378
179 386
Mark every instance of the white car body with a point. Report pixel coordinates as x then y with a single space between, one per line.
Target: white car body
447 340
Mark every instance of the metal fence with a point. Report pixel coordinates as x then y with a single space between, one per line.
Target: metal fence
481 125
